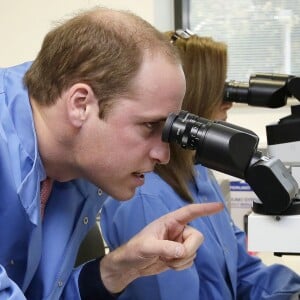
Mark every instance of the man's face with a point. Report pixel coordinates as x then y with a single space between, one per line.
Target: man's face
119 149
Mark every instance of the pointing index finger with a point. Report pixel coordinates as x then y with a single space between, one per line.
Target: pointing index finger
193 211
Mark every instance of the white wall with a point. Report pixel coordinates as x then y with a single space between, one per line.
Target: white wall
23 24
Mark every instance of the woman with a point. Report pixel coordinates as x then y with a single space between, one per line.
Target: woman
222 269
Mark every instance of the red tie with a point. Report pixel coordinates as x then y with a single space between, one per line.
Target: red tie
46 187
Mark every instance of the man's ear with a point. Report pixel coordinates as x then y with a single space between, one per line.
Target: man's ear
79 97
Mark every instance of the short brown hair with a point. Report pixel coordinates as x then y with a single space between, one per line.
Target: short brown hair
205 67
101 47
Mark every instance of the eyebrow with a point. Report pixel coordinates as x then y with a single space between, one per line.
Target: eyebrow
158 120
153 117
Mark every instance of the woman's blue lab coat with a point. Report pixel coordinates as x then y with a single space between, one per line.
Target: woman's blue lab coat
223 269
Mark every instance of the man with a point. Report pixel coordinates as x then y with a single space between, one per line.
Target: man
87 113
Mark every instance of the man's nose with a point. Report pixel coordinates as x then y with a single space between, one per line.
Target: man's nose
161 153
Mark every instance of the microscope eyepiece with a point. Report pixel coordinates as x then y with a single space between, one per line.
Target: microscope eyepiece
236 91
265 90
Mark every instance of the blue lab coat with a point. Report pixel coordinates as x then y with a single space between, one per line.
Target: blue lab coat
36 257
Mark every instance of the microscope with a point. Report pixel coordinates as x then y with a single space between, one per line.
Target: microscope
275 218
277 234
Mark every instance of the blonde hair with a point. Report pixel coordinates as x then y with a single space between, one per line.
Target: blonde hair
101 47
205 67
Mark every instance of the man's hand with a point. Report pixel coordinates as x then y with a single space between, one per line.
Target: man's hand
163 244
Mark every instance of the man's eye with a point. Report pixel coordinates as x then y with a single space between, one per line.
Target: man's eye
150 125
154 127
